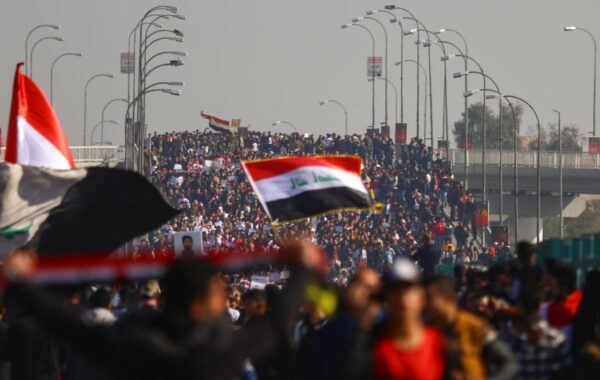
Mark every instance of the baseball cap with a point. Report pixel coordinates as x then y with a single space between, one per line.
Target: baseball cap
402 272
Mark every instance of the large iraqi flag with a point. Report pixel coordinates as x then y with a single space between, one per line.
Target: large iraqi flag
35 136
294 188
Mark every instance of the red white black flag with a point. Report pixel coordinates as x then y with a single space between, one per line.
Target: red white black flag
300 187
35 136
217 124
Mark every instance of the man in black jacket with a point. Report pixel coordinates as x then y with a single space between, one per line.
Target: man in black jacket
190 340
428 256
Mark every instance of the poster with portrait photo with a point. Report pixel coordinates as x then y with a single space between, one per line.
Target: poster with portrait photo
188 244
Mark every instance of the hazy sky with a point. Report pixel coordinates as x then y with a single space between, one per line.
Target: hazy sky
264 60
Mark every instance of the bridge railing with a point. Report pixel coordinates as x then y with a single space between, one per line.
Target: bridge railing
89 153
525 158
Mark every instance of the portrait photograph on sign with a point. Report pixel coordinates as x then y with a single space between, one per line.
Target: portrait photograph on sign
188 244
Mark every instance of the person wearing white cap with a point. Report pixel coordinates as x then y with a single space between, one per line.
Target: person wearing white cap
407 348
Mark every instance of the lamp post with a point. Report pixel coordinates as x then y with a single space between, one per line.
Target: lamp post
560 175
327 101
358 19
466 131
422 27
33 49
85 101
372 71
52 26
394 7
539 178
495 94
573 28
104 111
144 91
420 66
501 137
446 128
390 83
275 123
131 87
101 124
394 19
52 72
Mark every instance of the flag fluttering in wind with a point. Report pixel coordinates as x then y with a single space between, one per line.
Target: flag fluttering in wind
35 136
217 124
80 211
295 188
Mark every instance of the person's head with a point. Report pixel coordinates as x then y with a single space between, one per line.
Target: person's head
404 293
363 286
194 288
187 241
101 298
150 289
526 253
531 297
254 302
560 281
441 299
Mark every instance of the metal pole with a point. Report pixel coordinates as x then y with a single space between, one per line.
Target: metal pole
539 178
55 27
501 140
104 111
560 175
386 64
52 73
85 102
33 49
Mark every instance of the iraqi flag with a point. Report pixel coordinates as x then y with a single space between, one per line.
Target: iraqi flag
35 136
299 187
219 125
65 212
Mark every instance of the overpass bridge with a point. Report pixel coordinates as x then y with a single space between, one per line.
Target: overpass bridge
581 183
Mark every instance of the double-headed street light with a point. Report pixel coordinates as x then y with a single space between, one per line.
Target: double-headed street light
345 26
420 66
52 72
571 29
85 101
275 123
59 39
51 26
328 101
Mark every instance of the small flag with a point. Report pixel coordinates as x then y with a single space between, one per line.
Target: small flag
35 136
75 211
300 187
219 125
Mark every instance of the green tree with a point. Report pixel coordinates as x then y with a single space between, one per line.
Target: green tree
492 125
571 138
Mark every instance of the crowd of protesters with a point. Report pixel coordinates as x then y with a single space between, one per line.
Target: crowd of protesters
358 299
200 173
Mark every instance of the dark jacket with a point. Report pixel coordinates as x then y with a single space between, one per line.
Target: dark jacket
428 257
170 345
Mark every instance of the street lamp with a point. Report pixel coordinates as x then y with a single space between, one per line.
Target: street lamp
174 62
573 28
356 20
101 124
275 123
327 101
420 66
52 72
394 7
560 175
496 94
85 101
501 137
446 129
393 20
390 83
104 111
345 26
52 26
466 131
59 39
